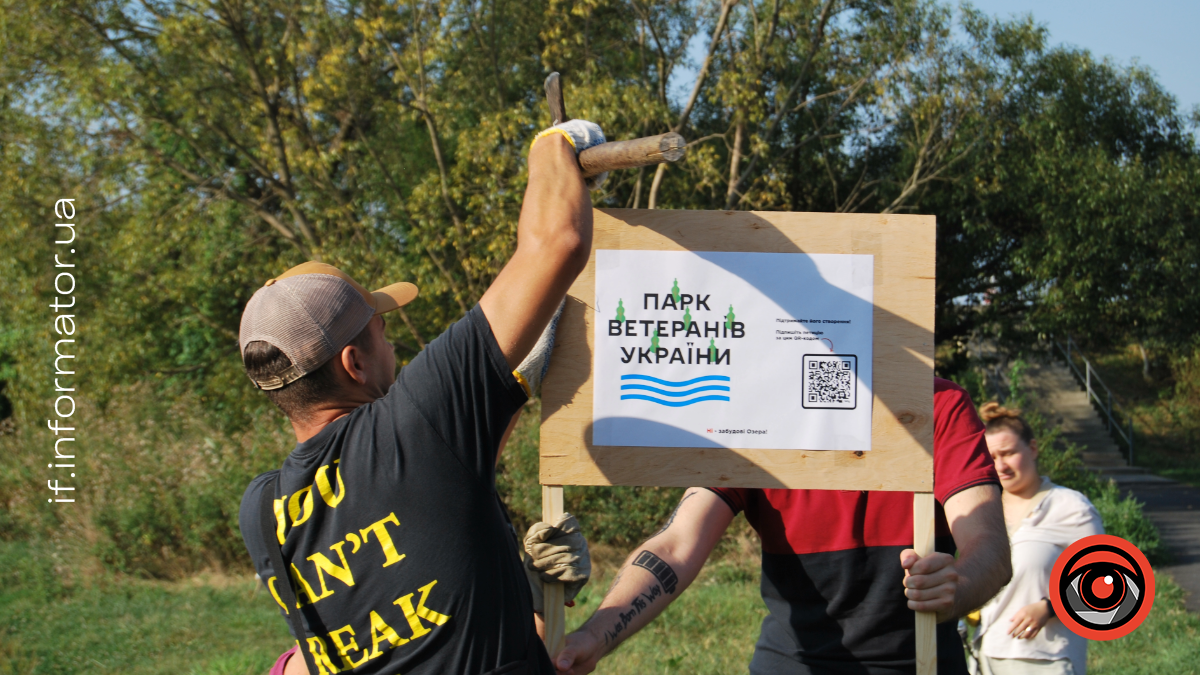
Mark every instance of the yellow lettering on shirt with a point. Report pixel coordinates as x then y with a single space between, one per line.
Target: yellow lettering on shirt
316 647
300 506
326 566
379 529
326 490
381 632
275 594
305 589
280 519
421 612
344 649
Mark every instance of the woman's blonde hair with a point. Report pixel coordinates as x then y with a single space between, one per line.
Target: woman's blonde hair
997 418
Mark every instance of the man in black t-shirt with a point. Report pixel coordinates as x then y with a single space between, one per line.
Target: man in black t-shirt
397 548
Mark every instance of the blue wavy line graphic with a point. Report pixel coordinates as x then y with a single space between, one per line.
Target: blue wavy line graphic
668 383
676 394
673 404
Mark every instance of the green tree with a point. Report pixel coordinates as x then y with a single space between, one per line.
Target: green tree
1080 215
211 144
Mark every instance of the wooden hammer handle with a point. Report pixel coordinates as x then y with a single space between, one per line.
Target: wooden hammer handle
668 147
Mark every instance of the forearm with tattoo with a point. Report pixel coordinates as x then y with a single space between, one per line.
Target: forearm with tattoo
654 575
614 622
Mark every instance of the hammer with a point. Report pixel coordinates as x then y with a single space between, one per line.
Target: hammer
668 147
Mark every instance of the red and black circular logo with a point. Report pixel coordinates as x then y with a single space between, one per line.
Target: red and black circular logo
1102 587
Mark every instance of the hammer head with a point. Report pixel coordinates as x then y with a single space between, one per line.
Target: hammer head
554 98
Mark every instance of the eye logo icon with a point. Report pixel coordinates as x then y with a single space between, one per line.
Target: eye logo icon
1102 587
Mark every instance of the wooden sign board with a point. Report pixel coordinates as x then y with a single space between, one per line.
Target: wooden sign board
901 455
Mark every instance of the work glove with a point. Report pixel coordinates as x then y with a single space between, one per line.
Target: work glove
533 369
556 554
582 134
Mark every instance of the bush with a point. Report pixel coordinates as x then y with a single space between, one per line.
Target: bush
160 484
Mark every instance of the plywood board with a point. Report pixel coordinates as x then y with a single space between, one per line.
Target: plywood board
902 417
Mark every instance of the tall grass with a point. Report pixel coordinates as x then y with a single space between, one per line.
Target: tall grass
1165 405
159 486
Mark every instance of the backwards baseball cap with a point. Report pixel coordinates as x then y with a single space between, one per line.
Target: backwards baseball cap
310 313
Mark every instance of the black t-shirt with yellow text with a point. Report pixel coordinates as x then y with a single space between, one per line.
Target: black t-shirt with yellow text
401 556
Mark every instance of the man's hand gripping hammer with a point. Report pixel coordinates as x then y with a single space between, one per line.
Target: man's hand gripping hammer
668 147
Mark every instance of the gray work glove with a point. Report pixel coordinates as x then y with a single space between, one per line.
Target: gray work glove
535 585
534 367
556 553
582 135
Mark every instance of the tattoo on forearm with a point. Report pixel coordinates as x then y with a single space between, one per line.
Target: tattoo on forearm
667 582
659 568
673 514
641 602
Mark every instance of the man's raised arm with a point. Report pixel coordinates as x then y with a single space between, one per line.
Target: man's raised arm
650 579
554 239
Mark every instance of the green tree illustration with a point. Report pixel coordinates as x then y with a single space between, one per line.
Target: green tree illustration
687 319
675 291
729 318
654 341
620 310
712 349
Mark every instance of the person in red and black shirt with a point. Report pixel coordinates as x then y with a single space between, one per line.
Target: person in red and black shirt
839 576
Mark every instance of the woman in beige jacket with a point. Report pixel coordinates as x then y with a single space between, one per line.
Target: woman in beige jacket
1018 633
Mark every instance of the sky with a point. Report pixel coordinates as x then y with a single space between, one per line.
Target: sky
1158 34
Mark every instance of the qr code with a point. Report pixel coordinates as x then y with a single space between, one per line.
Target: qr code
830 381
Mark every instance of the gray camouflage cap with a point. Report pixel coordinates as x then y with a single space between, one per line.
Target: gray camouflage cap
310 313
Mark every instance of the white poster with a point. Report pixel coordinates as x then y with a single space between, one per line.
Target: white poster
736 350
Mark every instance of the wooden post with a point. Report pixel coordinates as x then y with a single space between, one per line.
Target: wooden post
923 534
554 612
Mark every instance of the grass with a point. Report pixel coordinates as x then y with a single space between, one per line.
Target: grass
206 625
710 629
218 625
64 611
1168 642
